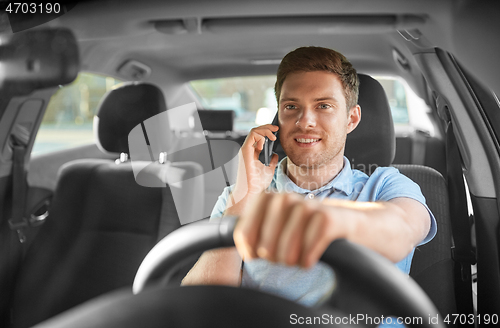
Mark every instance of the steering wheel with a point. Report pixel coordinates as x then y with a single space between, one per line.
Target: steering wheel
367 283
368 287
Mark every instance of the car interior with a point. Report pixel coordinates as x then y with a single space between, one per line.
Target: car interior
99 230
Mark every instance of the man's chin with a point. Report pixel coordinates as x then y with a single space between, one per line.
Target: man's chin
309 163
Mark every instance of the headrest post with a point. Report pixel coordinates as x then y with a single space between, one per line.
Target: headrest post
123 158
162 158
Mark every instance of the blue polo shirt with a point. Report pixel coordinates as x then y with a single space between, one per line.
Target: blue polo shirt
312 286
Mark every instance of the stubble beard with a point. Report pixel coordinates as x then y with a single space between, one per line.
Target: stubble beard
312 161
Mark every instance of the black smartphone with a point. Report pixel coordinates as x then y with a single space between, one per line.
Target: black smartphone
269 145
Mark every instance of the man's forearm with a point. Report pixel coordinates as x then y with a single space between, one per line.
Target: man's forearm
216 267
237 203
220 266
391 228
285 228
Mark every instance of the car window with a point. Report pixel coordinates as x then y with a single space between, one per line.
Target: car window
67 121
396 94
252 98
409 111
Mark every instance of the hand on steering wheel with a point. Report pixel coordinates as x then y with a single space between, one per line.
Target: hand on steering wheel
367 283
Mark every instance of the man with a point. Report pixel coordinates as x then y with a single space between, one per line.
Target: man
281 235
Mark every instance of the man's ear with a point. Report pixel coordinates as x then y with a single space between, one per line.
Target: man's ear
353 118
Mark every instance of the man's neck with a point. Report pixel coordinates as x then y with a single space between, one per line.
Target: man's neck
316 177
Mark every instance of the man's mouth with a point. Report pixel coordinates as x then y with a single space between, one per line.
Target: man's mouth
306 141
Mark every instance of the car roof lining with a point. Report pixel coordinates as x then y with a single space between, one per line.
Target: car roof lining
128 26
223 38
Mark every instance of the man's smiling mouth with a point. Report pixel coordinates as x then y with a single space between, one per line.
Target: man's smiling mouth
306 141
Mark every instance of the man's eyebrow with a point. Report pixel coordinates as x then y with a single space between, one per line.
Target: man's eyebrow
326 98
289 99
316 99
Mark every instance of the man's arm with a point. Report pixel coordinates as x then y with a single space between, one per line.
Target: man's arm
218 266
287 229
223 266
402 222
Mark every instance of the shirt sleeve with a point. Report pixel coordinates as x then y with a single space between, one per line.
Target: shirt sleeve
220 205
394 185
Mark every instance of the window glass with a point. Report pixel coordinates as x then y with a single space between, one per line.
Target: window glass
396 94
69 115
252 99
409 111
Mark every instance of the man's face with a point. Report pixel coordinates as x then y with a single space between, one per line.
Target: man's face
313 118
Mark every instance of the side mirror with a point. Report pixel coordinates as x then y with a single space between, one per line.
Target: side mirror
37 59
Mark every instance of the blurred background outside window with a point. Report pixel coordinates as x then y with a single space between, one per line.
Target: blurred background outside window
70 113
68 119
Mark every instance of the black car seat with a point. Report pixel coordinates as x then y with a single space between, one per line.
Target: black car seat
102 222
372 144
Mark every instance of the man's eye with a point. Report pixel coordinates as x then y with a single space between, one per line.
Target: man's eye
290 107
324 106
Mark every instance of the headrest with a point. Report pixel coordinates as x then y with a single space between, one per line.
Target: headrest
123 108
373 142
216 120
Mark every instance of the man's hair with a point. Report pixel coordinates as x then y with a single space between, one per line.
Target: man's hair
310 59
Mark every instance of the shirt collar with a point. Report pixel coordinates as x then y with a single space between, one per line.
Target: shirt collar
342 181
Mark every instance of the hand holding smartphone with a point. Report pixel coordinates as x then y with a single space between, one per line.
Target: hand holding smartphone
269 146
268 149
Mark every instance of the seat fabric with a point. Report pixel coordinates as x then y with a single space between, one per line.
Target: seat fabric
93 242
432 265
102 223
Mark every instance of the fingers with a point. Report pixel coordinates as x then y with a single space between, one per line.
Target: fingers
269 130
274 161
315 240
253 176
257 135
272 224
280 208
284 228
254 143
290 243
247 232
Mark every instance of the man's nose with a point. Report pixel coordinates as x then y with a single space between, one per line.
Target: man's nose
306 119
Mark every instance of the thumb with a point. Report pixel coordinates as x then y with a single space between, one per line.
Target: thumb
274 161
